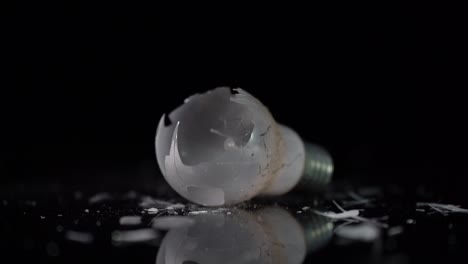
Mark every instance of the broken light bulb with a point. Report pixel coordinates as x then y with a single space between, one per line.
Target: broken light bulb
223 147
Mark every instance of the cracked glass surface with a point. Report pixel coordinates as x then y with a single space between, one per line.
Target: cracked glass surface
220 147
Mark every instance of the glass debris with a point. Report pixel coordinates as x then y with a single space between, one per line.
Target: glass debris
443 208
99 197
130 220
134 236
80 237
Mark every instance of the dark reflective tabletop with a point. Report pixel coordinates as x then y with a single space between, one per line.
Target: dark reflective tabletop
365 224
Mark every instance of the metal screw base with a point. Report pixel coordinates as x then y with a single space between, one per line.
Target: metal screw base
318 169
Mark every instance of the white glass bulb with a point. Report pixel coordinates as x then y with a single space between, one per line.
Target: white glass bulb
223 147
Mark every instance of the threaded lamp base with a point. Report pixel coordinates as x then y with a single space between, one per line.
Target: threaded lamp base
318 168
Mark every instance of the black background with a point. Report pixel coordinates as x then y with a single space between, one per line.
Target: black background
379 85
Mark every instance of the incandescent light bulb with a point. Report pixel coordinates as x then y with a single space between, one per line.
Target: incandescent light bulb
223 147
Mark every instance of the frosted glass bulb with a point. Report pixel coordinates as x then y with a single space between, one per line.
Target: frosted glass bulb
223 147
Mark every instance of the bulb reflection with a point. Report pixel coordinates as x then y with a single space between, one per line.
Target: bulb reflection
270 235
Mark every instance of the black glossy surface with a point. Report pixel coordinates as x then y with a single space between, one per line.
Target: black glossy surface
35 223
